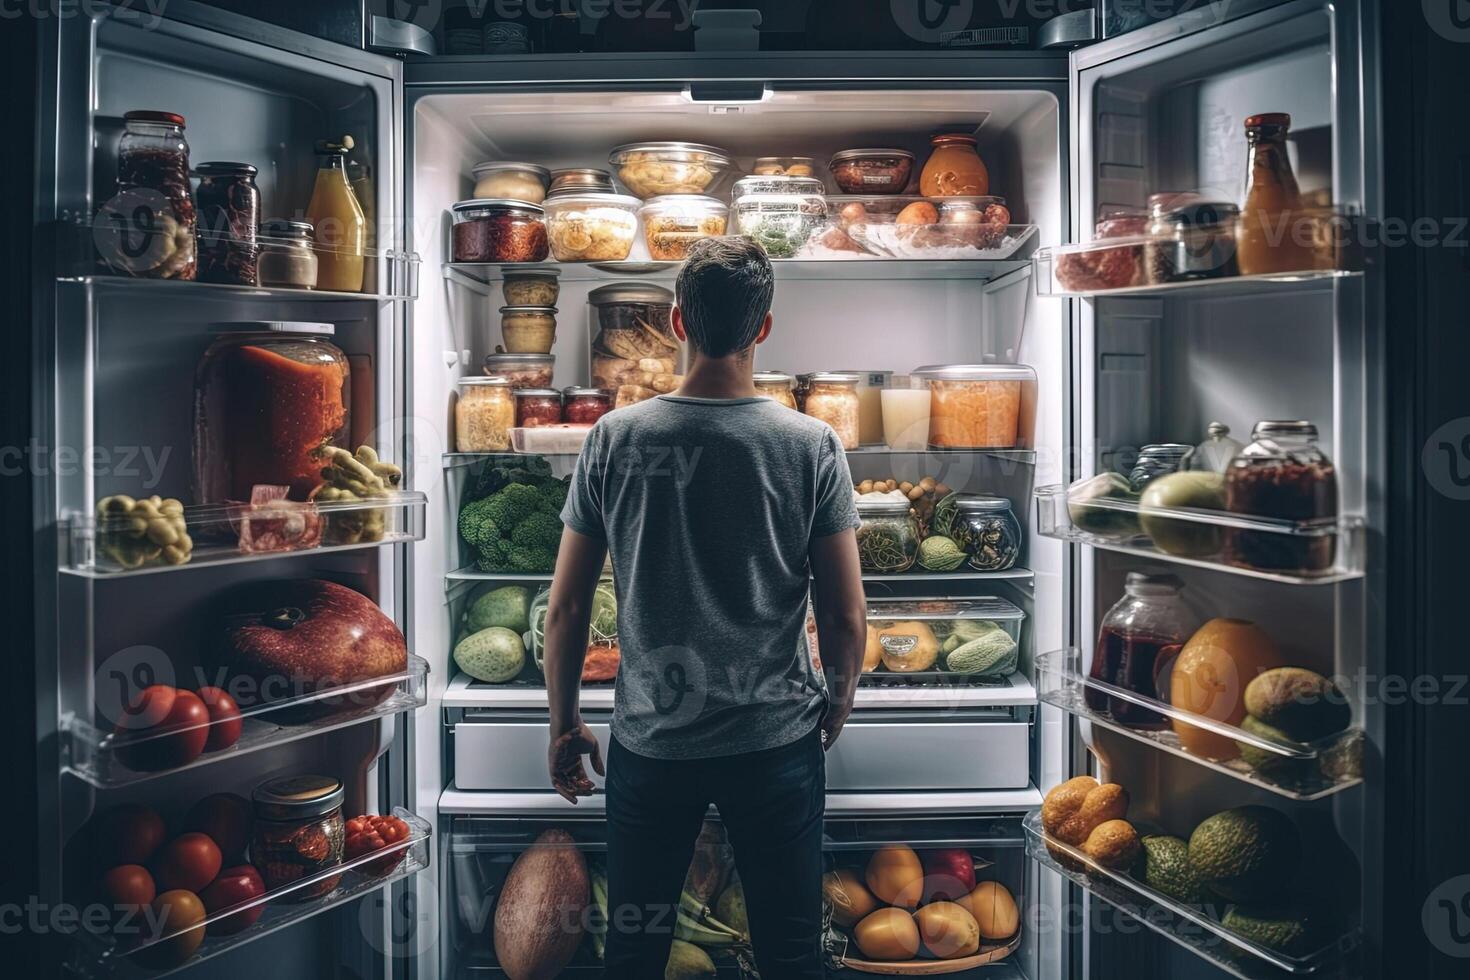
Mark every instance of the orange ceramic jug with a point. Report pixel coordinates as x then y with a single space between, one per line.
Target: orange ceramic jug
954 168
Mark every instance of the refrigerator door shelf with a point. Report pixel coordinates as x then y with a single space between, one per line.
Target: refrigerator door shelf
101 956
1296 770
964 803
101 758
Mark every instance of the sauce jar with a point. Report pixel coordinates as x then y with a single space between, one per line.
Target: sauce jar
985 529
298 832
528 329
775 385
888 537
586 405
538 406
228 213
1282 475
1146 628
287 258
484 415
954 168
1189 238
148 229
499 230
833 398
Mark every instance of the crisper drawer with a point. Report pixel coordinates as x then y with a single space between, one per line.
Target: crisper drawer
507 750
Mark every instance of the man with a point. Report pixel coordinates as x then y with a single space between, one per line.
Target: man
720 509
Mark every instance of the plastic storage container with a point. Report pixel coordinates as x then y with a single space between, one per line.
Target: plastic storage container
148 229
784 167
484 415
780 213
872 171
905 408
499 231
979 406
673 222
512 181
591 227
522 370
888 539
916 637
651 169
833 397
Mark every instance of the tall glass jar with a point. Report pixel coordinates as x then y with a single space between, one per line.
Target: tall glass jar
287 255
1282 475
229 211
484 415
888 539
833 398
267 400
987 531
298 832
148 229
1139 635
775 385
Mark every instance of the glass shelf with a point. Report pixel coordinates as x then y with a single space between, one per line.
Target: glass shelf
102 955
1296 770
109 545
1117 528
1022 456
471 574
1190 926
101 758
158 288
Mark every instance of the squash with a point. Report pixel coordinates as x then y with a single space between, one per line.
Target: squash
849 897
1210 677
887 934
896 875
991 654
908 647
539 917
994 909
948 930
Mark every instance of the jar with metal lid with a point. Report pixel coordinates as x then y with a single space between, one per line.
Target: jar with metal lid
833 398
499 230
228 213
522 370
297 833
888 537
987 531
287 258
1158 460
537 406
977 406
775 385
528 329
511 180
1283 475
484 415
631 333
148 229
579 179
1189 238
1215 453
586 405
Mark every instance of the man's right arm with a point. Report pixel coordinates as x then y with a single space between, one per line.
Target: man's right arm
842 629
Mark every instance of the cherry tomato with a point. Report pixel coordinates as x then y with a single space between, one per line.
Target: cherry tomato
187 719
189 861
234 886
225 819
224 718
127 888
174 910
126 834
369 833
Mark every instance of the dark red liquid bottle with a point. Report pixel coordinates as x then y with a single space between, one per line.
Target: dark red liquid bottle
1138 637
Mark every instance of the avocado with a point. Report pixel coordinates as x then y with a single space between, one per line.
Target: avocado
1300 703
1166 869
1271 763
1245 854
1285 930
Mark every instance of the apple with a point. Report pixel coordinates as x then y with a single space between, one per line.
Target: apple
225 819
175 741
224 718
949 873
189 862
233 887
126 834
173 911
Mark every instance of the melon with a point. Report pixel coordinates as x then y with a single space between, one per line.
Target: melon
494 655
872 651
540 914
887 934
992 654
948 931
1210 677
896 875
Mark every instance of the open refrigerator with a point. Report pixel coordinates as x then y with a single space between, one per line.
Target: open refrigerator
957 765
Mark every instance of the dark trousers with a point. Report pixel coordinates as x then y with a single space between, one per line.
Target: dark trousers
771 803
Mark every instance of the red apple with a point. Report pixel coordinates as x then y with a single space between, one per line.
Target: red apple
234 886
949 874
126 834
187 725
225 819
224 718
189 861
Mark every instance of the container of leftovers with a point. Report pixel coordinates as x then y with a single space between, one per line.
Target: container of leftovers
872 171
484 415
511 181
499 230
521 370
979 406
591 227
673 222
651 169
538 406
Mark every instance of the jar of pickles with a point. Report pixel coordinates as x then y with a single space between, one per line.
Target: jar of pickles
484 415
298 832
1283 476
833 398
888 538
586 405
775 385
537 406
987 531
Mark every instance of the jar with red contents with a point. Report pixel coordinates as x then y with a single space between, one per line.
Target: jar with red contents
538 406
586 405
298 833
147 230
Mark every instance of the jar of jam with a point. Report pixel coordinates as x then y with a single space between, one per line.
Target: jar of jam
1146 628
499 230
537 406
287 256
148 229
229 211
484 415
298 833
775 385
833 398
1282 475
987 531
586 405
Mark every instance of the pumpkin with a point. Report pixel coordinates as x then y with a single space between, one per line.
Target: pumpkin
538 920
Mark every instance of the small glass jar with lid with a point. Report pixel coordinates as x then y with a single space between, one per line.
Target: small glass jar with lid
537 406
986 530
228 214
528 329
499 230
1156 460
1215 453
148 229
298 832
484 415
888 538
833 398
586 405
775 385
1283 475
575 180
287 257
1146 628
1189 238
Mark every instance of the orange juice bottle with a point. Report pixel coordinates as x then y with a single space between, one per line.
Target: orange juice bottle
1270 238
341 227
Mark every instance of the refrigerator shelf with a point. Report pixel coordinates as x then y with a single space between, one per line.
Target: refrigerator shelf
406 278
1192 927
1120 532
103 956
1296 770
110 545
470 573
1023 456
99 757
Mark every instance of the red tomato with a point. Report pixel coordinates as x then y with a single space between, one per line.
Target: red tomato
369 833
174 910
150 708
127 888
234 886
189 861
225 819
224 718
187 718
126 834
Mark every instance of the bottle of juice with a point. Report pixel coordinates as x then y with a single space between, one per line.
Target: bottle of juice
1269 239
361 177
341 227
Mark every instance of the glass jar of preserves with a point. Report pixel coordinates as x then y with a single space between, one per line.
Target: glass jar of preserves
269 397
954 169
297 833
987 531
833 398
775 385
586 405
976 406
537 406
888 538
499 230
521 370
148 229
1284 476
287 258
1144 630
528 329
484 415
228 213
1159 459
1189 238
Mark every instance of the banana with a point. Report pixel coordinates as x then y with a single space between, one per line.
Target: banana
598 925
701 915
697 933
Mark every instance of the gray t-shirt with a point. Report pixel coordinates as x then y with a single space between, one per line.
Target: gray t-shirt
708 507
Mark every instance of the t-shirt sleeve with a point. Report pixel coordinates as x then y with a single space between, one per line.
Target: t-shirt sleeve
835 510
583 509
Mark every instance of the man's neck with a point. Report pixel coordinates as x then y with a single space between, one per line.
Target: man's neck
719 377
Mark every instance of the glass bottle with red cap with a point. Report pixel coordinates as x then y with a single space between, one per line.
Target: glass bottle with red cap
147 229
1268 240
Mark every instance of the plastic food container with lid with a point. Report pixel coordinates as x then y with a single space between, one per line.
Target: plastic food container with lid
499 230
528 329
832 396
872 171
673 222
484 415
511 180
591 227
917 636
780 213
651 169
522 370
784 167
979 406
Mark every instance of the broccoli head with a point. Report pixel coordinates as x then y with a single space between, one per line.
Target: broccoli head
517 528
511 505
540 531
476 526
554 496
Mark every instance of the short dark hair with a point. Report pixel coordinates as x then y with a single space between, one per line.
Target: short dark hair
725 290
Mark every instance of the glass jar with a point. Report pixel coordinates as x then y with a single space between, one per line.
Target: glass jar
298 832
1157 460
484 415
537 406
985 529
651 169
801 389
780 213
499 231
287 258
870 405
531 289
579 179
954 169
888 538
528 329
1138 637
632 334
976 406
592 227
228 214
148 229
1189 238
872 171
586 405
268 397
1215 453
673 222
1282 475
833 398
511 181
776 386
522 370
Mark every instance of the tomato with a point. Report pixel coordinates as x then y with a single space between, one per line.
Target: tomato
172 911
369 833
234 886
127 888
151 707
148 751
224 718
189 861
225 819
126 834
